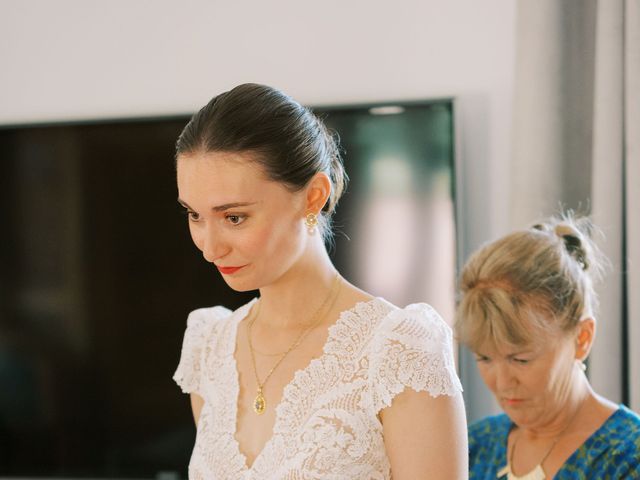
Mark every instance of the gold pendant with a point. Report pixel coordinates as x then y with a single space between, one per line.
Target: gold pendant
259 403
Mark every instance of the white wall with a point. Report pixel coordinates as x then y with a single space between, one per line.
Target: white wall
87 59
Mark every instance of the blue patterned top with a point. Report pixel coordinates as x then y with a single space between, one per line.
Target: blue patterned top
612 452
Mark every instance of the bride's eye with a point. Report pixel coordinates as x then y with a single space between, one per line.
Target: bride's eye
191 215
235 219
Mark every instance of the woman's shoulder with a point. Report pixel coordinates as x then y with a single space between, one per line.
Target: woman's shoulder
488 428
622 430
201 323
411 347
626 419
207 315
383 314
206 327
418 322
613 451
203 318
487 445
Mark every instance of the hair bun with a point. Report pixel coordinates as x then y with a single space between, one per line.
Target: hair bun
573 243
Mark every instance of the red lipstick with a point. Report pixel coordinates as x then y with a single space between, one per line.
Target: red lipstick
229 270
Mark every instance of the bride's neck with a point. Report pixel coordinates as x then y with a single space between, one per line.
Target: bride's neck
295 296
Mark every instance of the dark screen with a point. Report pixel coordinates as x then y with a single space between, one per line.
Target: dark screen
98 274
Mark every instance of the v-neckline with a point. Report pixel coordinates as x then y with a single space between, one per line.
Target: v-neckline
238 316
586 444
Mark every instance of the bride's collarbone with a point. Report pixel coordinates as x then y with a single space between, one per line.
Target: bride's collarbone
296 360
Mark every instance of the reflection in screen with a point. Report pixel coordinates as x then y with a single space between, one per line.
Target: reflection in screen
398 213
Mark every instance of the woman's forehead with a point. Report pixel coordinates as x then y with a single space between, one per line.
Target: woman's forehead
503 350
207 180
542 341
243 164
219 171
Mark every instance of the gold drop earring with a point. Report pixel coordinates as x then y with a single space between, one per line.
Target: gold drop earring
311 221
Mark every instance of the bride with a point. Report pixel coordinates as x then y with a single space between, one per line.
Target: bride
315 378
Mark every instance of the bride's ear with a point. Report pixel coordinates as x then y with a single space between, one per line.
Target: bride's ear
318 191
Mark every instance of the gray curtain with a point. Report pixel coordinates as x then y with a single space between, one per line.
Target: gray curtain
615 363
553 108
577 145
632 213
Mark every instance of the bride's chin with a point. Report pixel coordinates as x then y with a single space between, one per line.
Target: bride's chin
240 286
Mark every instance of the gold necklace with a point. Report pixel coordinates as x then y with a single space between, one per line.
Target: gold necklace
260 403
538 472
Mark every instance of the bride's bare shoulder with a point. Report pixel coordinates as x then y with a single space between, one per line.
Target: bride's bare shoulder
350 295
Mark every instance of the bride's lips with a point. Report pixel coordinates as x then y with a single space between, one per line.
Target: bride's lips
229 270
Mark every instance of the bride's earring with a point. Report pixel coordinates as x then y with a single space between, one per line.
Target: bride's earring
311 221
581 365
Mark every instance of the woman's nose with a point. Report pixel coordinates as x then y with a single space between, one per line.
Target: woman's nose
213 246
504 376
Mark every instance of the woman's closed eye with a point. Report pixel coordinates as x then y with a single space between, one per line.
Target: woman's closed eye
482 358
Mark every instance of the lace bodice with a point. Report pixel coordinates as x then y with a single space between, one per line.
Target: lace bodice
326 424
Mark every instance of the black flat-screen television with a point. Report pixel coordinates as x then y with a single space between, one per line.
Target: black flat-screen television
98 274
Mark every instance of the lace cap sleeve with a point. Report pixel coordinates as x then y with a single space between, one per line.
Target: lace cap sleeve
199 326
413 348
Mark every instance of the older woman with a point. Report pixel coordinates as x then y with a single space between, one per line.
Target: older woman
527 312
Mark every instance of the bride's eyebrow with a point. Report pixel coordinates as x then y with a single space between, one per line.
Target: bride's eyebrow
227 206
220 208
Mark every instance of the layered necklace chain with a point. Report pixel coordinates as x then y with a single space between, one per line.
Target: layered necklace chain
260 403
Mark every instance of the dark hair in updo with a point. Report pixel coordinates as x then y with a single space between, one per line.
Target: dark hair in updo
530 281
288 140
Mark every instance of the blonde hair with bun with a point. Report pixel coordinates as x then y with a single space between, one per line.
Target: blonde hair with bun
529 282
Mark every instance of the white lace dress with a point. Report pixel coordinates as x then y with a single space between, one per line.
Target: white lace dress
326 425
